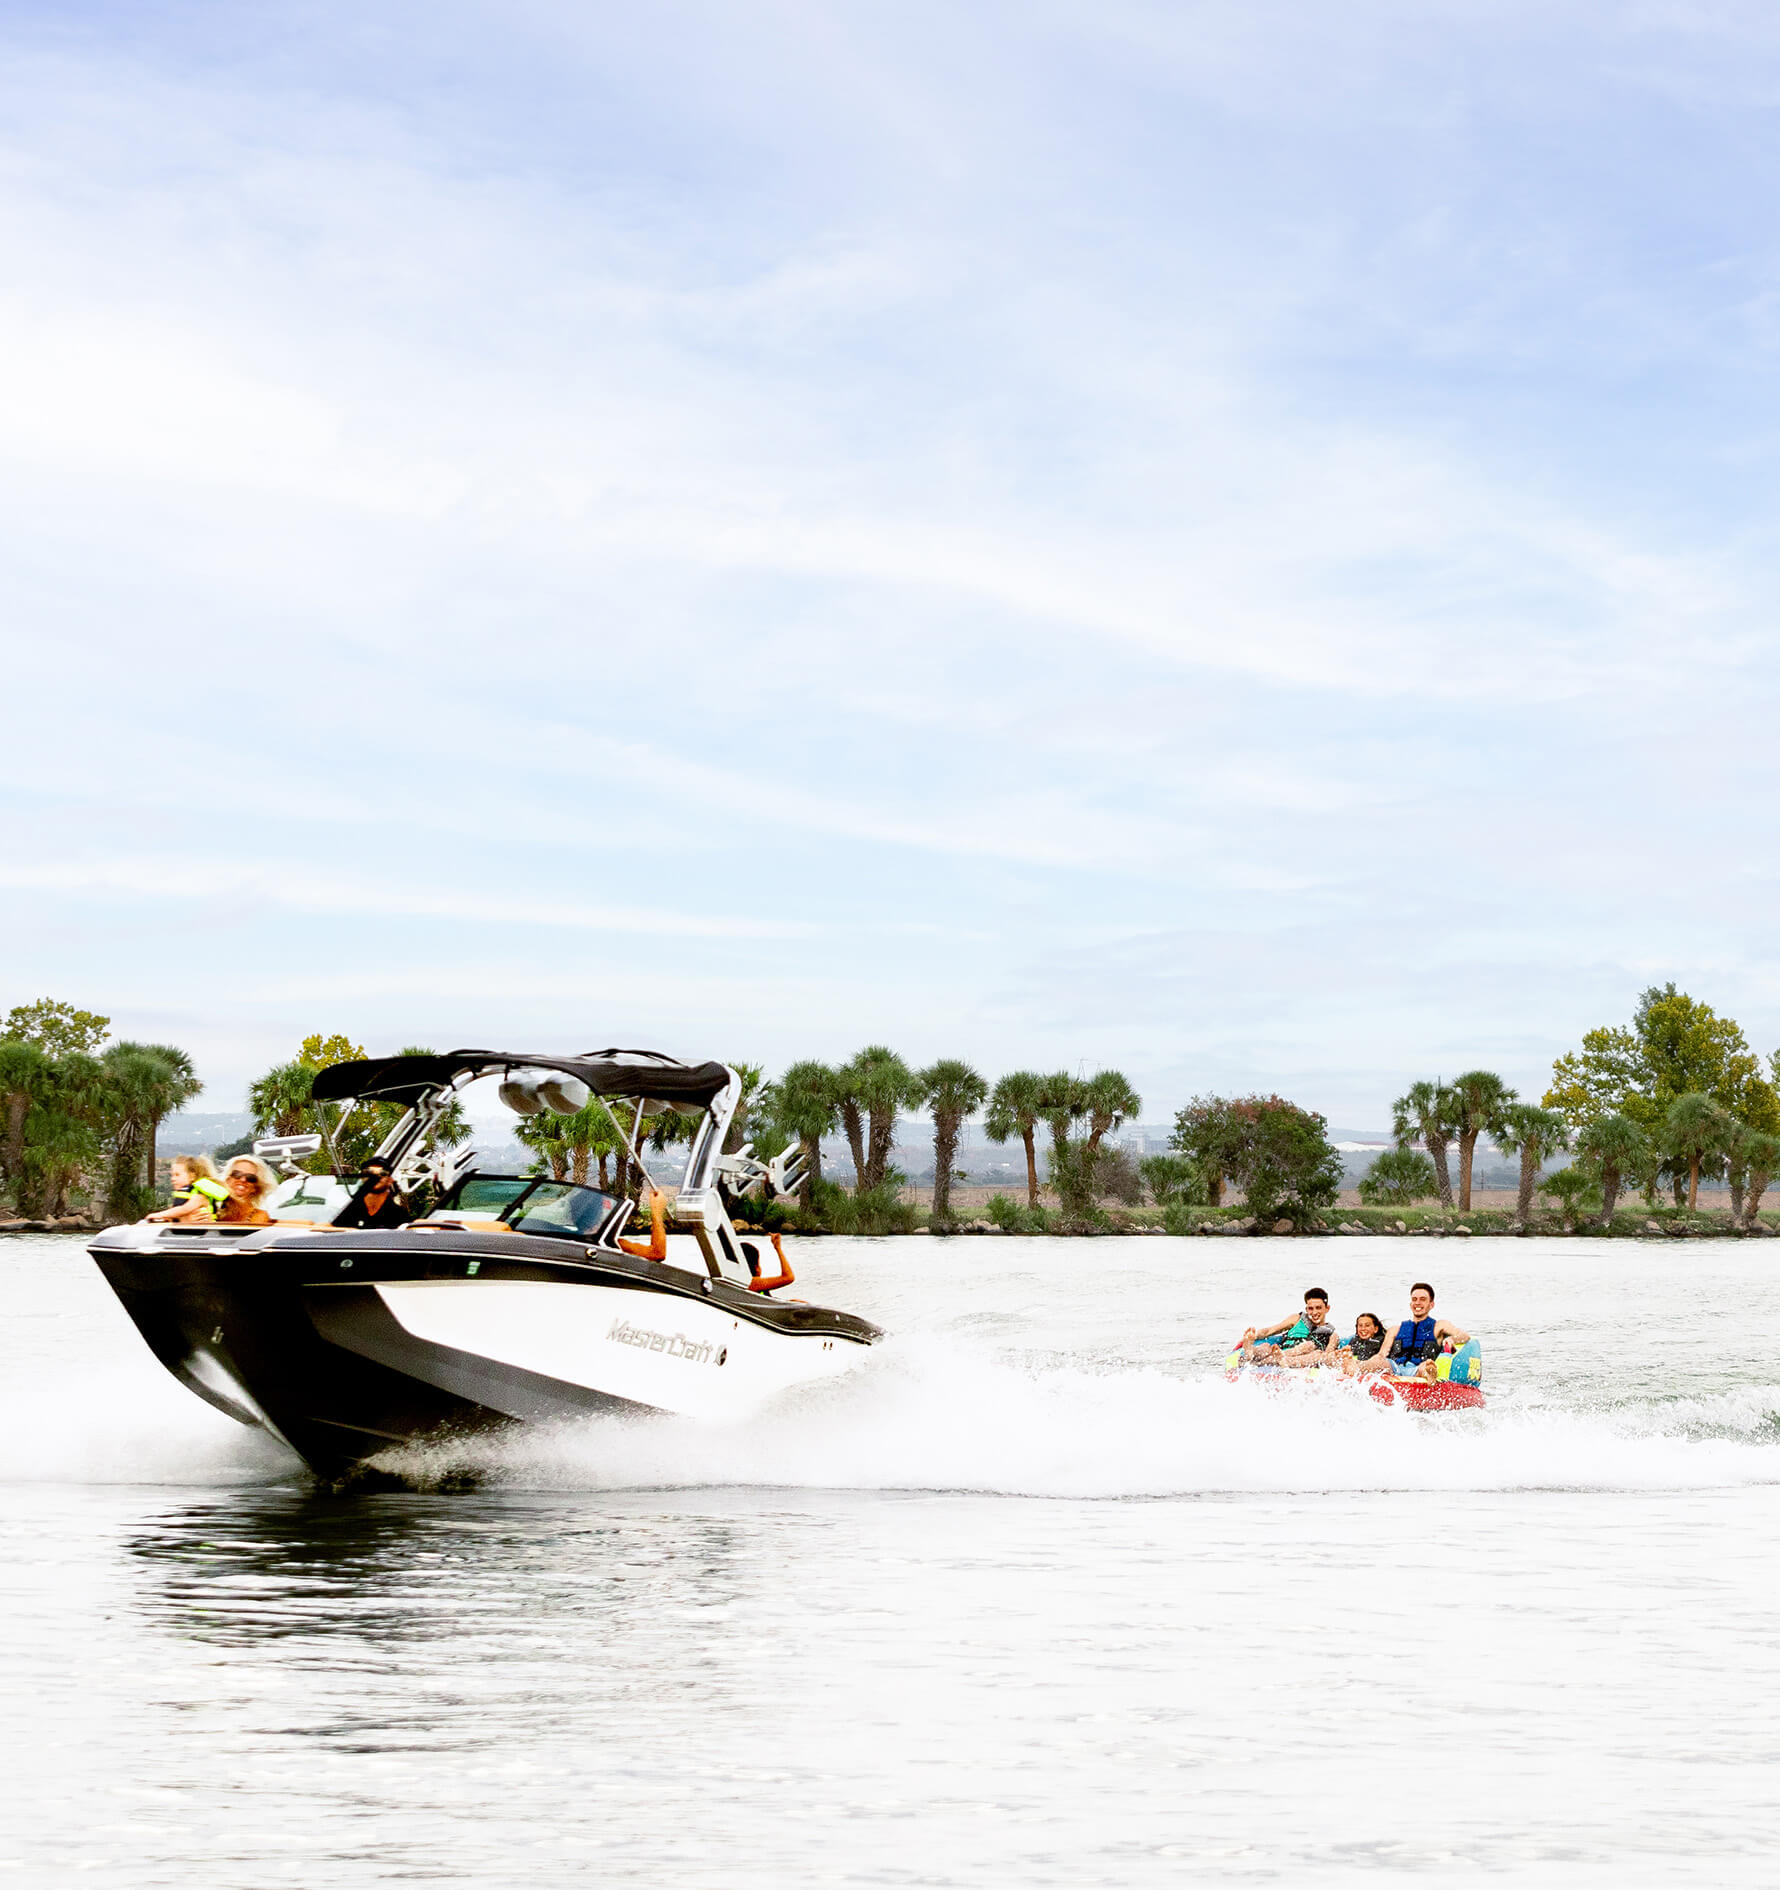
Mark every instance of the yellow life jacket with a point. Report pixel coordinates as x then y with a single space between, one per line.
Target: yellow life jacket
212 1193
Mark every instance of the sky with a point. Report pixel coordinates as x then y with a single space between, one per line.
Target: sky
1235 542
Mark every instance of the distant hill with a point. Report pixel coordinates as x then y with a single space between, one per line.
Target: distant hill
190 1134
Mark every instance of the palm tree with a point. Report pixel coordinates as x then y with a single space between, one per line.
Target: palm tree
61 1137
1014 1109
543 1134
1064 1103
1696 1128
952 1090
1479 1098
145 1082
24 1077
1618 1148
1761 1155
804 1105
280 1101
1427 1113
871 1090
1111 1101
1736 1153
737 1132
1535 1135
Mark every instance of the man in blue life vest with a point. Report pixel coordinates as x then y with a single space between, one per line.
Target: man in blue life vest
1296 1342
1415 1350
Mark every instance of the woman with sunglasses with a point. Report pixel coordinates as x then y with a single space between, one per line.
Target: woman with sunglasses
248 1181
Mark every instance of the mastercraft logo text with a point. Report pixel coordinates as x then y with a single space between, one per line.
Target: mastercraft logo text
675 1345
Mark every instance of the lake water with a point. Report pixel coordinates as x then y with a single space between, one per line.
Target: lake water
1035 1597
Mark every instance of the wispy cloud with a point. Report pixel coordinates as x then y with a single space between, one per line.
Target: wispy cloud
888 512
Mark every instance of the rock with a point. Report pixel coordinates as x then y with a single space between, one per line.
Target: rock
69 1224
1282 1226
1461 1230
1402 1227
1652 1227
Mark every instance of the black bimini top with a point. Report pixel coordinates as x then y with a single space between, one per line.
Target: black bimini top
406 1080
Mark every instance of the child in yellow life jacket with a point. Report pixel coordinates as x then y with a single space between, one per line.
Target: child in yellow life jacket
197 1194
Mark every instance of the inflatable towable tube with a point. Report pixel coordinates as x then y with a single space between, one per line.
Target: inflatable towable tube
1457 1384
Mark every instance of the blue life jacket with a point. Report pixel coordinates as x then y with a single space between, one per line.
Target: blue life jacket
1415 1341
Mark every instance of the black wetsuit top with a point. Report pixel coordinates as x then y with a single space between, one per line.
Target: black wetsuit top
391 1213
1366 1348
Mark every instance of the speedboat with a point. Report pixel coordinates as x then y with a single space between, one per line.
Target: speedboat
511 1300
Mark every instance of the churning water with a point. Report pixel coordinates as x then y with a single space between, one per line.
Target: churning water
1034 1597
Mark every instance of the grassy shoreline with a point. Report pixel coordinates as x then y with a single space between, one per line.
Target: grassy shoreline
1635 1223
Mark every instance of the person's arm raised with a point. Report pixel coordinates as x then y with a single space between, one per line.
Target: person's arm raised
658 1241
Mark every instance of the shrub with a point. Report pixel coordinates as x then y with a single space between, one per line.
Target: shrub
1398 1177
1073 1170
1015 1217
1116 1176
1174 1179
879 1210
1574 1191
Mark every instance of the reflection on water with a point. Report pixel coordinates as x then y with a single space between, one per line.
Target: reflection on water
293 1565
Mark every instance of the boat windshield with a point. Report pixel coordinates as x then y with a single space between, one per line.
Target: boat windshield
529 1205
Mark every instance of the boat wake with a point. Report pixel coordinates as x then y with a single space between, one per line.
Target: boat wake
939 1415
956 1414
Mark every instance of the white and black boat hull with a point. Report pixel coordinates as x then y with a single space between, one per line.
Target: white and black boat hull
347 1344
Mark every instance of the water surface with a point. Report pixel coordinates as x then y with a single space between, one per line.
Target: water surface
1035 1597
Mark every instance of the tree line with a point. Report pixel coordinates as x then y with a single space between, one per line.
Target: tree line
1669 1099
81 1112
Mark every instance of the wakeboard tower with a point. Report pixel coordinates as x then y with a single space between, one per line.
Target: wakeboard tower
511 1301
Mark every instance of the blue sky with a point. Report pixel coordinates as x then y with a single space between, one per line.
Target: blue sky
1231 541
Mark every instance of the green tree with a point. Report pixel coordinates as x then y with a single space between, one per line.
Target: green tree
571 1144
144 1083
1110 1102
1480 1098
953 1091
1016 1107
62 1133
804 1105
1615 1149
1289 1167
1428 1113
752 1075
1173 1180
1695 1128
1209 1132
1761 1154
282 1102
1069 1161
871 1090
1608 1076
1572 1189
57 1029
1675 1046
1398 1177
1535 1135
25 1076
